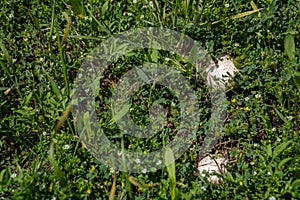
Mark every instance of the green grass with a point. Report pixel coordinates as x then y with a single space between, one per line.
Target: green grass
40 57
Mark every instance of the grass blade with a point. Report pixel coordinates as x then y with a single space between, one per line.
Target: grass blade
170 162
240 15
122 112
280 148
67 29
57 171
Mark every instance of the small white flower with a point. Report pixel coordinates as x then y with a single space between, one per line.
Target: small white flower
53 37
203 188
144 171
158 162
258 96
252 163
134 1
14 175
278 139
14 60
129 14
53 198
289 118
11 15
111 170
66 147
86 17
42 186
227 5
119 153
144 6
236 44
273 129
272 198
142 17
247 99
254 173
44 133
269 173
255 144
151 4
25 39
41 59
137 161
167 59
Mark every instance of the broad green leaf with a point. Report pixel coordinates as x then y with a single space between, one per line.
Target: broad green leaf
289 46
27 99
105 7
142 75
280 115
283 162
154 55
55 88
122 112
280 148
77 7
193 56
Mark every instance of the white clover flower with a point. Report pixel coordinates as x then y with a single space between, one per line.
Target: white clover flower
273 129
66 147
14 175
289 118
203 188
247 99
254 173
142 17
158 162
227 5
137 161
272 198
258 96
134 1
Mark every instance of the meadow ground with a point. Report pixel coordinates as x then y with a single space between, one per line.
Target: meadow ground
43 44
